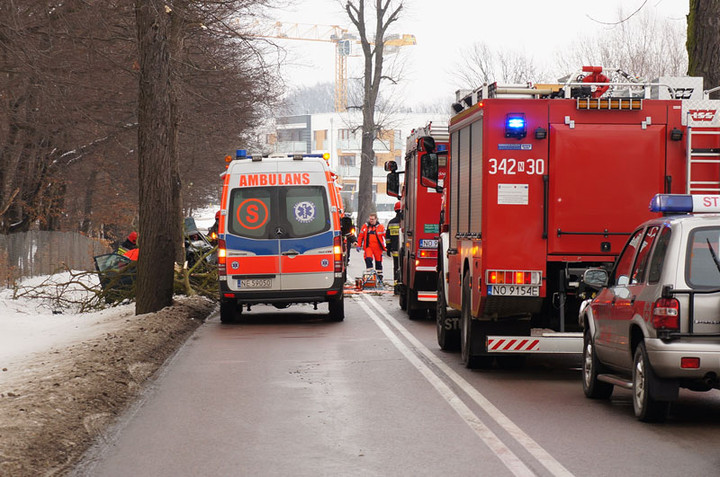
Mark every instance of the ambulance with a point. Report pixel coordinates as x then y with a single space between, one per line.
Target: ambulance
280 234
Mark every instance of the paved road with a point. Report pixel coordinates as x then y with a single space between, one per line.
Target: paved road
287 393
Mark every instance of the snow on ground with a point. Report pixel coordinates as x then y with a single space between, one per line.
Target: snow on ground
33 325
29 326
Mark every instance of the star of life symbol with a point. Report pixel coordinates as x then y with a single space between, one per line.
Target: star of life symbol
304 212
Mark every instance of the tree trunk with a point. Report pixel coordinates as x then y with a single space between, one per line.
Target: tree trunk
157 150
703 41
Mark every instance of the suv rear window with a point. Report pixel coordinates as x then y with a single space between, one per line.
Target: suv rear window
278 212
702 267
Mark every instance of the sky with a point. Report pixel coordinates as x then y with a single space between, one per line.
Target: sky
444 28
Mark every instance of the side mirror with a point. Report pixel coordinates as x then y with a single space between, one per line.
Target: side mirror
346 225
595 277
393 184
429 171
427 143
390 166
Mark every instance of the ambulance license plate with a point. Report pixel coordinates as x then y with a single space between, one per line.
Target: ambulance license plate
255 283
512 290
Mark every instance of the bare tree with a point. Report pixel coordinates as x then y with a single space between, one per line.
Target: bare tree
641 44
703 41
372 43
483 65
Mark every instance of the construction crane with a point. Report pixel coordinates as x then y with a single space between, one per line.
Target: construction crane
343 40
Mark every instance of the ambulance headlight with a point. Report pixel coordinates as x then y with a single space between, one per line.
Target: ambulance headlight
515 125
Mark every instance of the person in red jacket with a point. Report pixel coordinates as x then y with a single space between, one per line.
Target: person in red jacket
372 240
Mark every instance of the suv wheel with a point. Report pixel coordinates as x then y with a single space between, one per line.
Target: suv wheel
593 388
646 408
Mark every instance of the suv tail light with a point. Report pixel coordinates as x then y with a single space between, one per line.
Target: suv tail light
666 314
338 253
221 255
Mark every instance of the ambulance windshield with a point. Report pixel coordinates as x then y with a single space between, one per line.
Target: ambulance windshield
278 212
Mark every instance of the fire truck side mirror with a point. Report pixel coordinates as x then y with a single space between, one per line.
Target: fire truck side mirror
427 144
393 184
429 171
390 166
346 225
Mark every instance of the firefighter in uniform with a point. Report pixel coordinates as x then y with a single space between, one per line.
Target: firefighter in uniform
372 240
130 243
392 239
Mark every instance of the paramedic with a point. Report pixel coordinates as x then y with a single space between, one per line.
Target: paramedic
372 240
392 239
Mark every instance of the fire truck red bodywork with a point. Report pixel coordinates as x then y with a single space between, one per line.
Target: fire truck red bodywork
417 285
525 216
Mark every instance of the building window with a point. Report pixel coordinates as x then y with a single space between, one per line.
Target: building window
347 160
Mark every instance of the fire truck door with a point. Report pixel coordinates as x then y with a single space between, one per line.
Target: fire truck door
602 177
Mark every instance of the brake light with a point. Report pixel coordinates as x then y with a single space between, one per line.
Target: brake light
338 253
428 253
666 314
690 363
221 256
513 277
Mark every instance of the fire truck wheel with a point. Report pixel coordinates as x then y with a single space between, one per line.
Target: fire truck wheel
415 310
470 333
229 310
593 388
448 329
646 408
402 295
336 309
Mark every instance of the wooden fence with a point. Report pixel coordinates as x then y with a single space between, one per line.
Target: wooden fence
40 252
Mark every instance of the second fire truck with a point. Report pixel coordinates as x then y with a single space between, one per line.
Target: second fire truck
546 182
418 244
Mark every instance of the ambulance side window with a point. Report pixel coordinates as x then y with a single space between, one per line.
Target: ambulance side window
306 210
250 212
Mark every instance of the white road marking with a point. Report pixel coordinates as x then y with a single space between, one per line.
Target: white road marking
511 461
547 460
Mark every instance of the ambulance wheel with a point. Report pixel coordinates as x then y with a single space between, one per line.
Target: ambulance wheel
469 333
336 309
414 309
229 310
448 329
402 294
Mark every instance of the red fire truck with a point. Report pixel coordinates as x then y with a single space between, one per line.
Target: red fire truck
546 182
418 245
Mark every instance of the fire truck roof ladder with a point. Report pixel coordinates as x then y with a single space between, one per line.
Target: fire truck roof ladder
697 156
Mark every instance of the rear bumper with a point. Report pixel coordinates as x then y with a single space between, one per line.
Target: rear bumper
284 296
665 357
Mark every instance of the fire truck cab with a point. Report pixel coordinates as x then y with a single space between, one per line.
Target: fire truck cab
418 247
546 182
280 234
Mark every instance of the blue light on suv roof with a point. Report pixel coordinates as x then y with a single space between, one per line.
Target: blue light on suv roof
671 203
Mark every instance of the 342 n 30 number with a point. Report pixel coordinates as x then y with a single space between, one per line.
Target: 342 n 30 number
511 167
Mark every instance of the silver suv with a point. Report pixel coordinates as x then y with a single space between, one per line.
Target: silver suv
655 325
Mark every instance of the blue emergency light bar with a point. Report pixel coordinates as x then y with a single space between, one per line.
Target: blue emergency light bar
241 153
441 147
515 125
684 203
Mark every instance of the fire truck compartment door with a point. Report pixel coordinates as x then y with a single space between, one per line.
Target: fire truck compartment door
602 177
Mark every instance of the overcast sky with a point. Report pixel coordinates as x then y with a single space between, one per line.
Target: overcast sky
444 27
